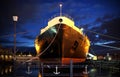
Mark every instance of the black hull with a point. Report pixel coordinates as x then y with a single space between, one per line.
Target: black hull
62 43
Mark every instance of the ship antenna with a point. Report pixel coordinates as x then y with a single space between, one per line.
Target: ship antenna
60 9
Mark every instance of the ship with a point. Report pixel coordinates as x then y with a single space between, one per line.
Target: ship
62 41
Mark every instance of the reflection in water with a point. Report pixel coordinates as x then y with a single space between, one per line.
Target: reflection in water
39 74
92 72
4 70
83 75
7 71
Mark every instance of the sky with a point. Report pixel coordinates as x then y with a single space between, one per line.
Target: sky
99 18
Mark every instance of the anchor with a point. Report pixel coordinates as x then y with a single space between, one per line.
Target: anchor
86 71
56 72
28 69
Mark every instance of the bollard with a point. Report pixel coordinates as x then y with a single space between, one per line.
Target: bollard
42 67
71 68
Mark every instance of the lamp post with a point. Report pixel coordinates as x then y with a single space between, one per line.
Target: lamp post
15 19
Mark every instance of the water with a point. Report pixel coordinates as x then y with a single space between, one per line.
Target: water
54 70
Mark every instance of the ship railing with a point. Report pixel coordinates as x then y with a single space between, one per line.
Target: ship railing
63 14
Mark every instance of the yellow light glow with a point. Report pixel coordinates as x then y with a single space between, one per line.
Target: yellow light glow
10 69
39 75
38 46
6 70
87 44
29 55
6 57
95 58
2 56
10 57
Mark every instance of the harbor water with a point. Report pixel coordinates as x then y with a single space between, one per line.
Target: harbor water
38 69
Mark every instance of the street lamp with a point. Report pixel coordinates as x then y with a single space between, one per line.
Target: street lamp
15 19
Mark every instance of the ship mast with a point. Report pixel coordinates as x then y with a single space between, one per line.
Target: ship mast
60 9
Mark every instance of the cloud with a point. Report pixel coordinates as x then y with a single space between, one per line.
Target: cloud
106 17
112 27
8 42
29 37
108 30
5 40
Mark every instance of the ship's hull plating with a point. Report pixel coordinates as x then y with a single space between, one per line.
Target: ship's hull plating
62 43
